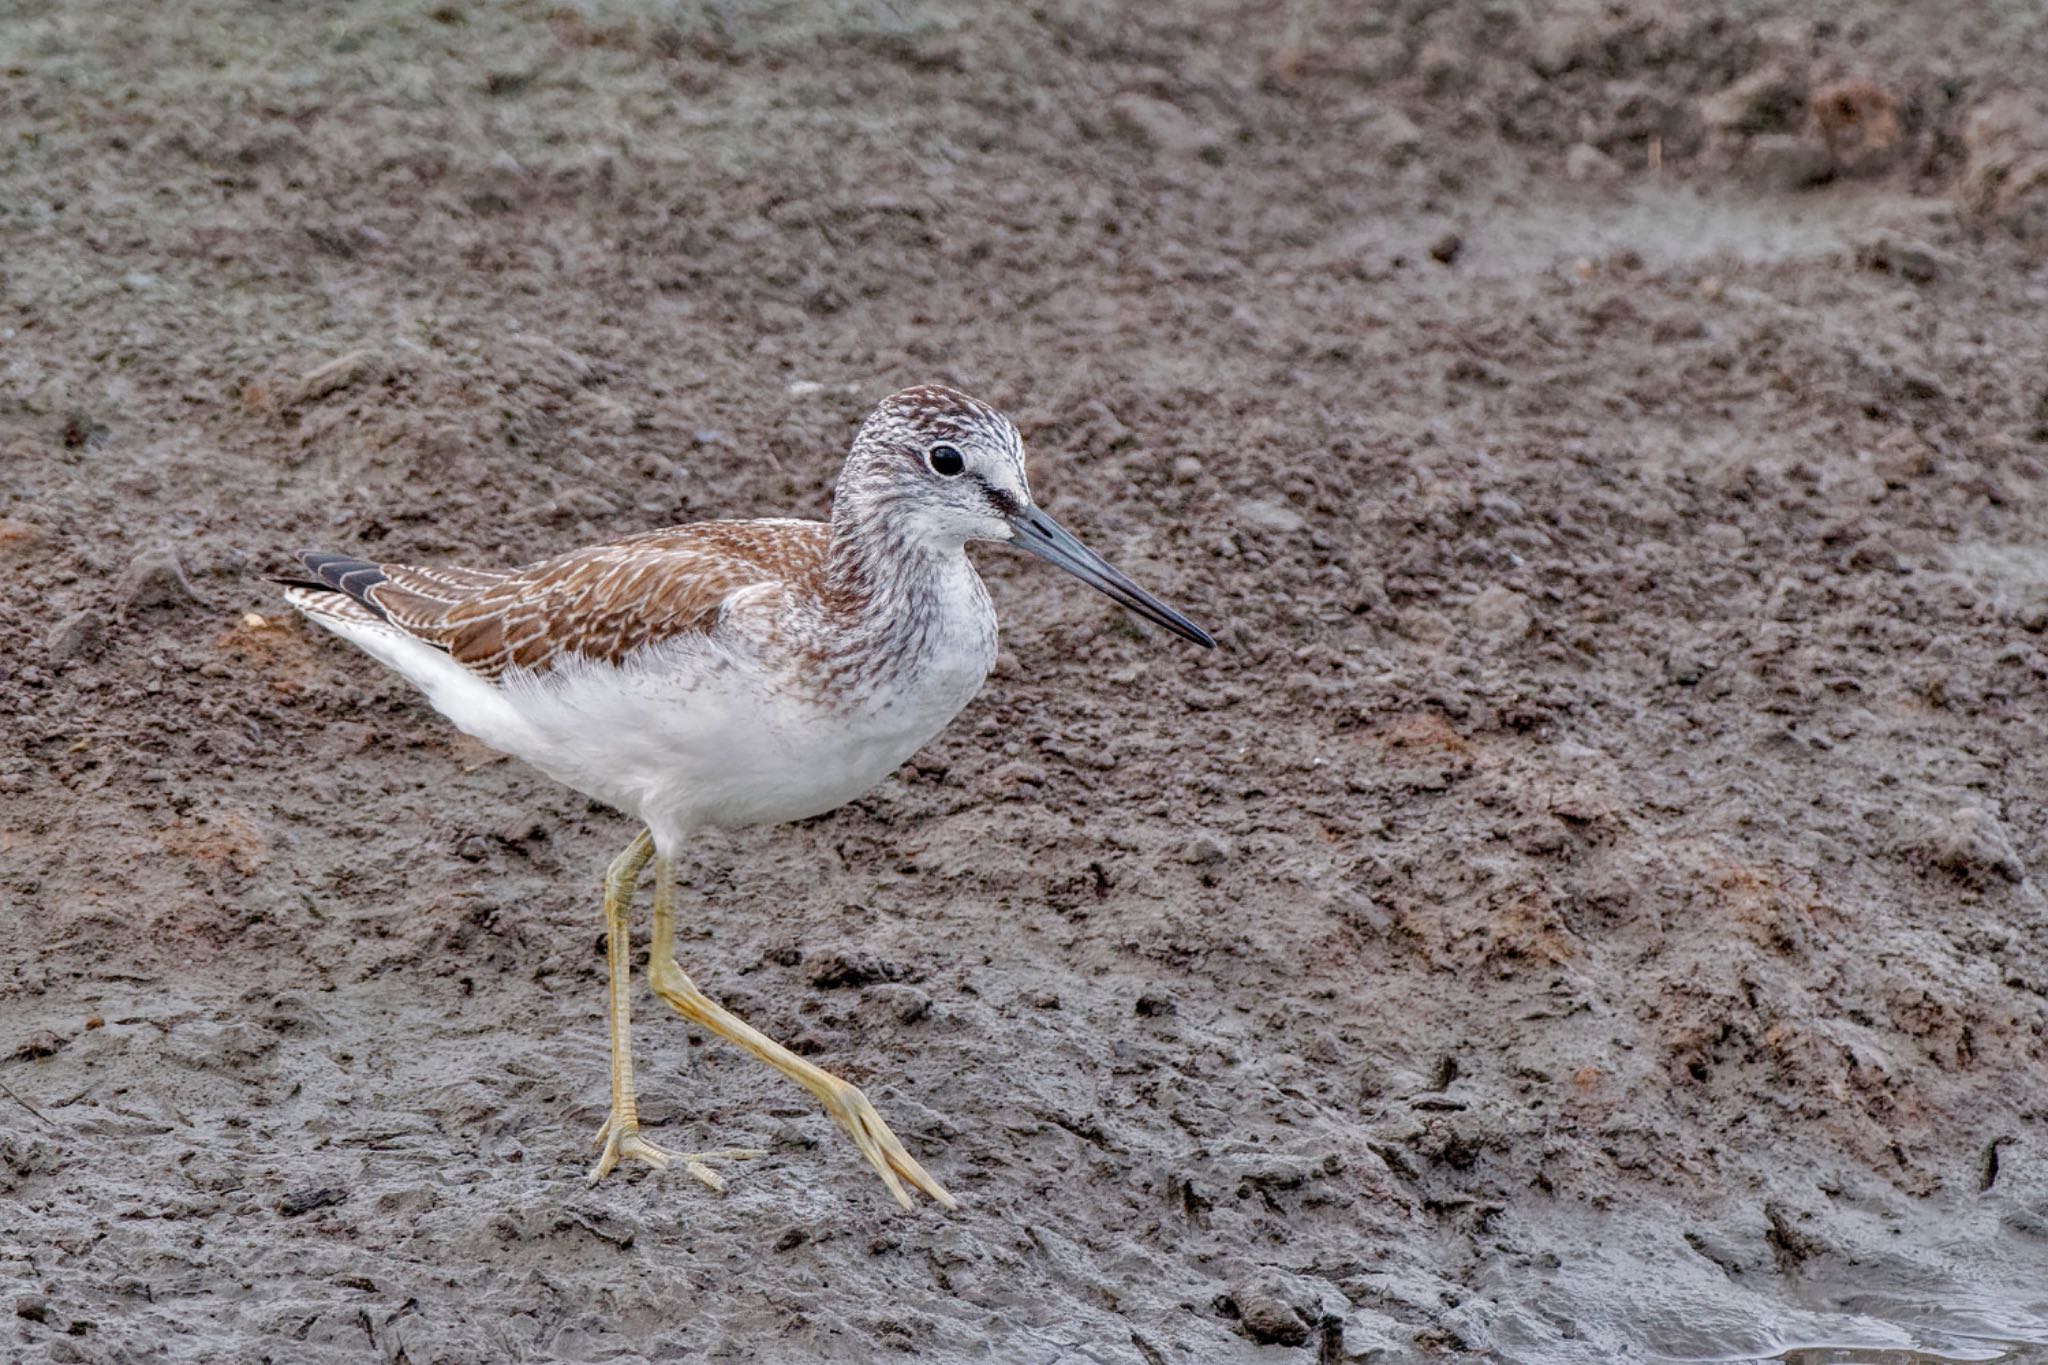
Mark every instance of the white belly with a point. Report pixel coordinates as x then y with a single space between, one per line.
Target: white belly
700 736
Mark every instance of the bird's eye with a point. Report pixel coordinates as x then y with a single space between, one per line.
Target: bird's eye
946 460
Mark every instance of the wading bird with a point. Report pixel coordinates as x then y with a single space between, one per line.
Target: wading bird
732 673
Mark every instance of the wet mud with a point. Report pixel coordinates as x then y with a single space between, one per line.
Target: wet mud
1585 911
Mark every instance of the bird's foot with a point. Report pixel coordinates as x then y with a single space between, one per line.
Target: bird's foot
622 1140
846 1103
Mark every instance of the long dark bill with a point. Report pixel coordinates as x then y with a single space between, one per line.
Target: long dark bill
1053 543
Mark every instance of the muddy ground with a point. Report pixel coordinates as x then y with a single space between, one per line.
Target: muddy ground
1591 906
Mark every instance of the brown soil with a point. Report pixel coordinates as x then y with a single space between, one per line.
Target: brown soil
1585 909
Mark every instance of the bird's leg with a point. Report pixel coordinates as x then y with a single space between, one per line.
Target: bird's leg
842 1100
620 1135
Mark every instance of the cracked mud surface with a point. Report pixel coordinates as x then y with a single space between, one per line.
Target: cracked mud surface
1591 905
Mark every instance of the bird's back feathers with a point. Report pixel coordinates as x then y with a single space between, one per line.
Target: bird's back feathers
599 603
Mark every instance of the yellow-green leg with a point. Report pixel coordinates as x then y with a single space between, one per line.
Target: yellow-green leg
842 1100
620 1135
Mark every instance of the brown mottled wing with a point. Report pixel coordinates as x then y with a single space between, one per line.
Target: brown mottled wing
600 603
415 598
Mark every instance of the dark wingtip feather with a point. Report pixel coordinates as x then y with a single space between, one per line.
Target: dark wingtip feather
337 573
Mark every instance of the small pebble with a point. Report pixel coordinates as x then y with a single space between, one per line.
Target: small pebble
1270 516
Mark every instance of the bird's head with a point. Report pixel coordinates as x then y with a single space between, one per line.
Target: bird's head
939 469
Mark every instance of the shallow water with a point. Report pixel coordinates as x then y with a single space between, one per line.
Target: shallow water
1953 1324
1856 1355
1887 1328
1905 1281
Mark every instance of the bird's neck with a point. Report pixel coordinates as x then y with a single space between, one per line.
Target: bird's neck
895 602
880 576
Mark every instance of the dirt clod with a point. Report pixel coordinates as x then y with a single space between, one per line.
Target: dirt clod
41 1043
1790 1244
81 635
1973 846
840 968
1767 100
155 579
1163 127
1786 162
83 431
1859 120
1262 1305
1903 256
299 1202
2005 176
342 372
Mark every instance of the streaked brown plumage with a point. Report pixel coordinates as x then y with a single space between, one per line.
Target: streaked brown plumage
599 603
